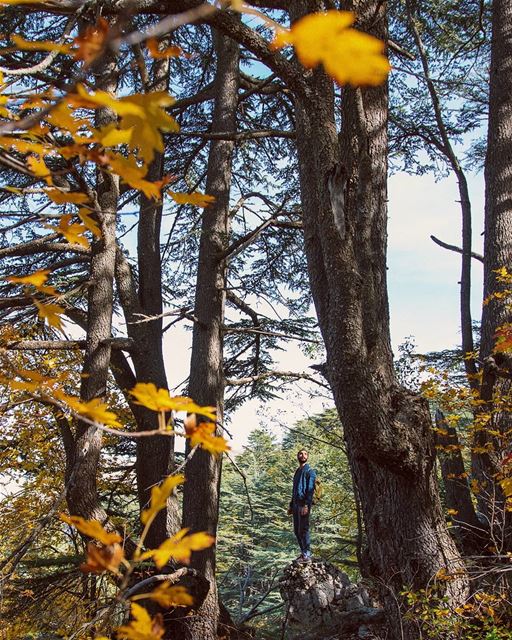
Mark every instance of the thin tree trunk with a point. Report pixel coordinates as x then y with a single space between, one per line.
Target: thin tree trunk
155 455
471 534
206 386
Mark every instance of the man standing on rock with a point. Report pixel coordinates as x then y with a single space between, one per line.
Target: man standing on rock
300 504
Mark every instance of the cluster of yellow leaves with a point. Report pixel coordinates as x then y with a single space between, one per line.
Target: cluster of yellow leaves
348 56
179 547
147 395
142 626
50 389
202 434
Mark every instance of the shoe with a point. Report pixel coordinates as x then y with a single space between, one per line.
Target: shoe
304 559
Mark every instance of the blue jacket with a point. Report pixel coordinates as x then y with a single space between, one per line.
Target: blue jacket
303 487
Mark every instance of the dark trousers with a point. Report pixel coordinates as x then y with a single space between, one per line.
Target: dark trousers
301 529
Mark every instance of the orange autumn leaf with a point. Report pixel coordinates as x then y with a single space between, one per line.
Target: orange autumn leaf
50 312
179 547
133 175
348 56
203 434
100 559
91 43
503 337
24 146
73 232
196 199
88 222
36 279
91 528
141 626
172 51
159 496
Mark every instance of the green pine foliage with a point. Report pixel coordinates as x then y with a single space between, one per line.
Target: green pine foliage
256 540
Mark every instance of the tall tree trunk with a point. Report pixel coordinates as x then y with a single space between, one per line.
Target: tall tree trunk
155 455
206 386
497 254
82 496
387 429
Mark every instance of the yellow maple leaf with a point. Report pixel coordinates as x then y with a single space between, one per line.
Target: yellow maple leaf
142 626
62 116
147 394
452 512
98 411
348 56
37 279
168 595
88 222
50 312
146 129
64 197
24 146
38 167
38 45
110 135
91 528
197 199
159 495
179 547
73 232
142 113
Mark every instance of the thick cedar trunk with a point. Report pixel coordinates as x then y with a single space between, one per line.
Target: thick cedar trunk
206 386
82 496
388 430
497 254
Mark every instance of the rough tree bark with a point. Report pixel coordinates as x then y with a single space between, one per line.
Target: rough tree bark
155 454
206 384
82 496
497 254
388 429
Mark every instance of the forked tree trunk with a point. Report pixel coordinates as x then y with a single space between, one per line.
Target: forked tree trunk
387 429
206 385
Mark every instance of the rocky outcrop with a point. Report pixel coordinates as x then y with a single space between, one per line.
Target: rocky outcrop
322 603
